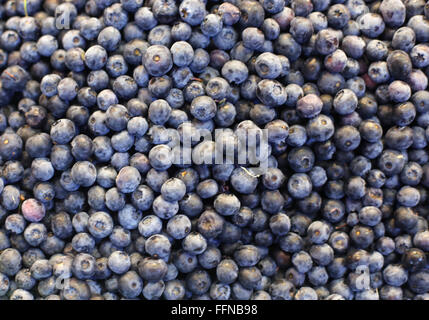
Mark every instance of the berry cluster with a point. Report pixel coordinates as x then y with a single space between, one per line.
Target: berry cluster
102 102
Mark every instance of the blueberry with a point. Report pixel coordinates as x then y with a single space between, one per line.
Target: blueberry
347 138
370 215
84 173
119 262
109 38
226 204
318 232
157 60
105 124
95 57
100 224
230 13
326 41
306 293
153 290
235 71
116 65
362 236
399 64
10 262
345 102
128 179
395 275
173 189
408 196
174 290
33 210
130 284
299 185
159 111
98 80
35 234
253 38
182 53
203 108
117 117
414 259
192 11
198 282
211 25
194 243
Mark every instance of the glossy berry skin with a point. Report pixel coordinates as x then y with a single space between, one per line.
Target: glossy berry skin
33 210
157 60
128 165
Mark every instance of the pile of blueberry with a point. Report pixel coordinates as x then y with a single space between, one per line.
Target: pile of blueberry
92 206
